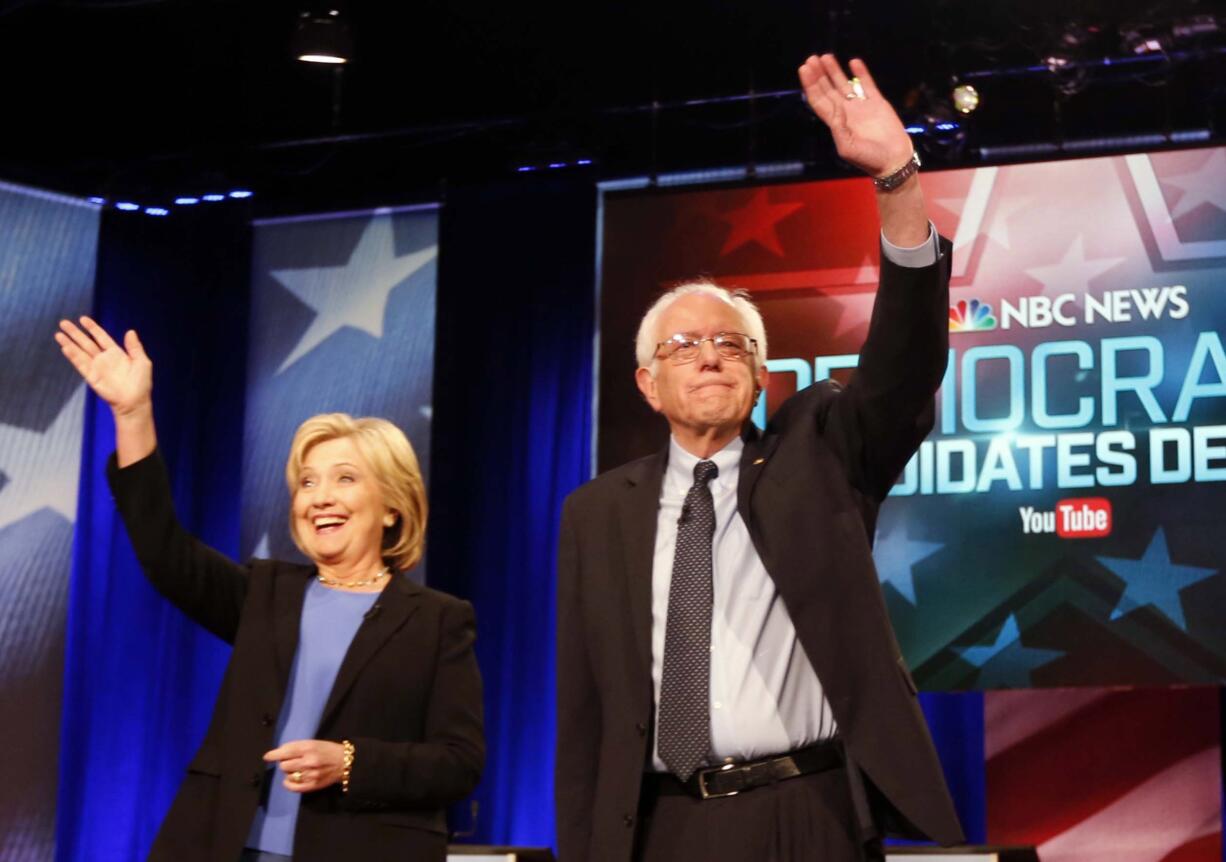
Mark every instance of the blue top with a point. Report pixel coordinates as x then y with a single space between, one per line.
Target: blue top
330 619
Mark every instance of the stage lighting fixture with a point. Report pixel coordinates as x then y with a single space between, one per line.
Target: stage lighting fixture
186 201
322 36
127 206
157 211
241 193
965 98
97 200
212 198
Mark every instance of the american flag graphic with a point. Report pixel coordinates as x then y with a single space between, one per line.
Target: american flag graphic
1106 775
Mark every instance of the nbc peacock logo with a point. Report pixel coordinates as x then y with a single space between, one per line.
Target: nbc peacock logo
973 316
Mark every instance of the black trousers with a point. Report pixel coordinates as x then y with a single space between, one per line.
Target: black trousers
804 819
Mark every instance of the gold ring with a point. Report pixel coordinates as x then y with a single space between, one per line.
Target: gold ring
857 89
295 776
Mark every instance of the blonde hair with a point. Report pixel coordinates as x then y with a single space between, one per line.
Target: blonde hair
751 319
390 455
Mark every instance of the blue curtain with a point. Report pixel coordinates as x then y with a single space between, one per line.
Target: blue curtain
512 432
139 678
956 722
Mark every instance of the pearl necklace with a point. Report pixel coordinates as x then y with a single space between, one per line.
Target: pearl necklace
373 579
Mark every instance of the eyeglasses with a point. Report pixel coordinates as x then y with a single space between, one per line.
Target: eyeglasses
682 347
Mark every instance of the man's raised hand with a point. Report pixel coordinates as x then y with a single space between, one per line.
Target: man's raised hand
866 130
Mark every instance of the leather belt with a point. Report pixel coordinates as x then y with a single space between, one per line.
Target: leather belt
729 779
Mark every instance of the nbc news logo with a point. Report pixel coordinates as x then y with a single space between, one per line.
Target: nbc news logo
973 316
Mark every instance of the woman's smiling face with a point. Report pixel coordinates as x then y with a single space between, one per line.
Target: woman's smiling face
339 514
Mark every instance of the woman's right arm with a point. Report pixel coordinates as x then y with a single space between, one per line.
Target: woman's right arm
122 376
204 584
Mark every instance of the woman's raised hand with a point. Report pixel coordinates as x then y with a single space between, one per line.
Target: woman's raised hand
121 375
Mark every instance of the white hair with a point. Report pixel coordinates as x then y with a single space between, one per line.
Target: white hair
648 338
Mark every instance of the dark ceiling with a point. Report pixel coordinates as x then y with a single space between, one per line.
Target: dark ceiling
151 98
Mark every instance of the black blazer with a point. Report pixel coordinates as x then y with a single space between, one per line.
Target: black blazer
408 695
808 492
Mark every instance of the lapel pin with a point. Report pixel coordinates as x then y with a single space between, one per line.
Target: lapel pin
759 461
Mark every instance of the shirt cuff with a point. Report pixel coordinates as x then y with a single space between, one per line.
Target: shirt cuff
925 254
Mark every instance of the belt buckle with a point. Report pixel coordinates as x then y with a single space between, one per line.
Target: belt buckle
714 770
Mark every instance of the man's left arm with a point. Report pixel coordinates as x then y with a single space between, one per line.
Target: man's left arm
887 408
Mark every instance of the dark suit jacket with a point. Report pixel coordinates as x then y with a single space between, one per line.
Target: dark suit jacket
808 492
408 695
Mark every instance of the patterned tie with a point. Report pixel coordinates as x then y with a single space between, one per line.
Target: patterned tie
685 711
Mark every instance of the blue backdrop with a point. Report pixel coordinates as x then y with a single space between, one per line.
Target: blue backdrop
513 402
139 678
46 272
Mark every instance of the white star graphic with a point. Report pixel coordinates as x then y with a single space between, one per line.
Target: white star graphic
1073 273
1006 663
854 312
868 272
42 466
354 294
895 554
262 551
997 228
1206 185
1155 580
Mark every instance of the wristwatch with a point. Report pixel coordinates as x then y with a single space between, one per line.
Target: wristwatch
892 181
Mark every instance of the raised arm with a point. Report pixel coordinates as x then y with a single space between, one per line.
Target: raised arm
868 134
122 376
887 407
206 585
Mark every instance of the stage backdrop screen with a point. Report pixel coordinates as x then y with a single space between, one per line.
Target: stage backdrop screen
342 320
47 264
1063 522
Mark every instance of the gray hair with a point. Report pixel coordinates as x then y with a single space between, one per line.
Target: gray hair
648 338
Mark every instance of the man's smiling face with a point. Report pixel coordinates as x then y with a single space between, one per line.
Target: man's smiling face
710 392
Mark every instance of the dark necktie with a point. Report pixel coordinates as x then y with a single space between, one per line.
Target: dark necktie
685 711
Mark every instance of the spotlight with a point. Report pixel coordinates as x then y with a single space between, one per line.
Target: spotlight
157 211
212 198
322 36
186 201
965 98
97 200
127 206
241 193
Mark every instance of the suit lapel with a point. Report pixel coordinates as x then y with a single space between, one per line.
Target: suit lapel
391 610
754 457
638 514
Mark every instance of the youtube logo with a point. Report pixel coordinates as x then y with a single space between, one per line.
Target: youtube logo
1083 518
1074 518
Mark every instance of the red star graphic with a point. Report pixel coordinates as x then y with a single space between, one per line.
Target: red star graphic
755 222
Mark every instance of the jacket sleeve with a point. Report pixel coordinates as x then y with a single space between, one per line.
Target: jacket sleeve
446 764
206 585
579 724
887 409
